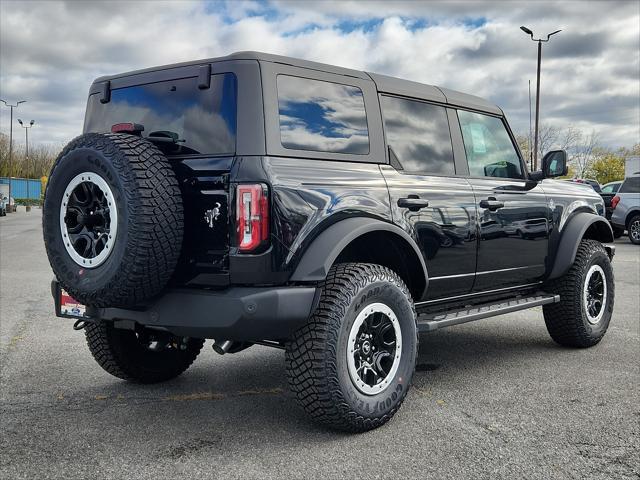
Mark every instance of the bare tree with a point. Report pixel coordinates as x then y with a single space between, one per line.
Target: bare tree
39 163
584 153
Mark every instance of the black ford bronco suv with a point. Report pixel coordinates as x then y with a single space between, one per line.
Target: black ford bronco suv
333 213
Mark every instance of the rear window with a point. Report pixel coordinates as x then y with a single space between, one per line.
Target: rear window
198 121
630 185
322 116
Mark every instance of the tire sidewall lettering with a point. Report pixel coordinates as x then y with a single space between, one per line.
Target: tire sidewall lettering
383 291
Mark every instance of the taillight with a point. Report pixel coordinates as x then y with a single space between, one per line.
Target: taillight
614 201
252 216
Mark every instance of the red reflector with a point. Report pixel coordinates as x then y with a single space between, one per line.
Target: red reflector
614 201
126 128
252 216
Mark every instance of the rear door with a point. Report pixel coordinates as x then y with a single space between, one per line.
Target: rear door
428 201
512 210
192 119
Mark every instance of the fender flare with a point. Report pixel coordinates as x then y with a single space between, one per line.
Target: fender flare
572 234
323 251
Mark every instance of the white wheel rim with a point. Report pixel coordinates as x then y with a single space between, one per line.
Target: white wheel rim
104 239
593 310
358 369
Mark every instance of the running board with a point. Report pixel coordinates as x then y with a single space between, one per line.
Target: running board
428 322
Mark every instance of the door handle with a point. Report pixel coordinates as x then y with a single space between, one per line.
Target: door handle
491 204
414 203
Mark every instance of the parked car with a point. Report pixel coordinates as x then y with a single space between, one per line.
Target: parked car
587 181
607 193
332 213
626 208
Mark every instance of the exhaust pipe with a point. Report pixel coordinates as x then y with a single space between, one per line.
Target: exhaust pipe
222 347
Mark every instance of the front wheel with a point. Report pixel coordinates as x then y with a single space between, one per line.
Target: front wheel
351 365
582 316
142 356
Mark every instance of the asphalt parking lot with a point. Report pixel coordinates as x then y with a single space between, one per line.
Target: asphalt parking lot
492 399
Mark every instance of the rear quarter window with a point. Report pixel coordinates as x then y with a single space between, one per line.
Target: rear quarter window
419 135
321 116
201 121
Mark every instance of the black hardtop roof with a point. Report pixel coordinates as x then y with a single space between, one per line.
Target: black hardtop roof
384 83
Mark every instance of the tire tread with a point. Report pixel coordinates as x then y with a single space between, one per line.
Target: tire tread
564 320
311 353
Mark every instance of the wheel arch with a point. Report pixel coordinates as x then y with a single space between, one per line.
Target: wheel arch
366 240
583 225
630 214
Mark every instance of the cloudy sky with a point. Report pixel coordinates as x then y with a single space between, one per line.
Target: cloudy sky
51 51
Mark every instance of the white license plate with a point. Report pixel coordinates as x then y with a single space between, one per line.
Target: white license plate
70 307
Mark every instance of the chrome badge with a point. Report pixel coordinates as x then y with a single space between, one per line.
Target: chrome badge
211 215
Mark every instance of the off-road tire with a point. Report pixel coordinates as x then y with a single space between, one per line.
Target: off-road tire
633 227
149 219
316 355
120 353
567 321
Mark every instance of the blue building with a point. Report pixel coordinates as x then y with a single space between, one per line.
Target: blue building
22 187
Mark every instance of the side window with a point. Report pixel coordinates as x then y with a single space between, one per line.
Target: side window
321 116
419 135
490 151
611 188
631 185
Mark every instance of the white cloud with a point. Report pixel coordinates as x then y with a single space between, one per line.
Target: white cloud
51 51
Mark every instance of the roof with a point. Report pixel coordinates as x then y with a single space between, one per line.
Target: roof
384 83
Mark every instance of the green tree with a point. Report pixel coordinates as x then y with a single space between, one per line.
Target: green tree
607 167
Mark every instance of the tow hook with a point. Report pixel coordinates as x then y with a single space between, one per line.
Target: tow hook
80 324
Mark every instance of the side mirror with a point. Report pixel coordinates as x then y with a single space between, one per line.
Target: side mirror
554 164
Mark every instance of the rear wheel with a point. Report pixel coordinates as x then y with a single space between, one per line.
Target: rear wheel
633 228
582 316
140 356
351 366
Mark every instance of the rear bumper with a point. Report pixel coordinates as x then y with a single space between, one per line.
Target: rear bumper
241 313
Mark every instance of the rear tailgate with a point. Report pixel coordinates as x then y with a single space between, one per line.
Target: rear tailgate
205 194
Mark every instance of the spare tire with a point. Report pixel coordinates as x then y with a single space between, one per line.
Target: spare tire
112 220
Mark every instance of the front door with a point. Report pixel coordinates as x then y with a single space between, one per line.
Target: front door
512 210
436 208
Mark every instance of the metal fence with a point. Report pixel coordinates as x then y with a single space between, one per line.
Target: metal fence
22 187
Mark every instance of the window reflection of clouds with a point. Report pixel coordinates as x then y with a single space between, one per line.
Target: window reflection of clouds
419 135
490 151
205 119
322 116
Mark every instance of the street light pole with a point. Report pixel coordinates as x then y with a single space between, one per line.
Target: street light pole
26 137
530 132
11 107
540 41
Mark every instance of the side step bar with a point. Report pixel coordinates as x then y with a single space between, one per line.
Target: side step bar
428 322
